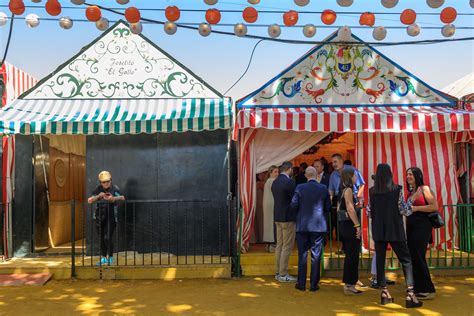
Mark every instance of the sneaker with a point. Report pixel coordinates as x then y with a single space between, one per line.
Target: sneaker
277 275
286 278
374 284
102 262
425 296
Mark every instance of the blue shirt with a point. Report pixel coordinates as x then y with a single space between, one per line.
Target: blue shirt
335 180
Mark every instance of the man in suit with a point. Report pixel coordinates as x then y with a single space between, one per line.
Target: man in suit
283 188
311 203
321 176
300 178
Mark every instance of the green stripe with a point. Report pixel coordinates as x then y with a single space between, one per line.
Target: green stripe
181 117
211 114
43 127
191 115
201 114
169 121
53 127
221 114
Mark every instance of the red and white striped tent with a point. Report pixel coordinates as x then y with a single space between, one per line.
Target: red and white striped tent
16 83
351 88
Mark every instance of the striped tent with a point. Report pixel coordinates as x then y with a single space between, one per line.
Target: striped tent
352 88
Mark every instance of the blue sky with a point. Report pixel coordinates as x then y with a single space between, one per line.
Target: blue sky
220 59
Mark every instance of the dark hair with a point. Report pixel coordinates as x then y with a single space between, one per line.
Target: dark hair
348 162
285 166
338 156
383 180
418 175
346 179
304 165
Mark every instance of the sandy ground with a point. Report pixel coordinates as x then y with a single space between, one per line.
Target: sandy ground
247 296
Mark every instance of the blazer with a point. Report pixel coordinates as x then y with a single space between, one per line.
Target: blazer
325 179
311 203
282 189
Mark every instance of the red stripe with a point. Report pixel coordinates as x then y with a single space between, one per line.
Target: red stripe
454 121
415 122
365 122
289 121
441 123
384 149
252 118
327 122
450 179
265 119
352 121
403 122
276 119
377 122
428 123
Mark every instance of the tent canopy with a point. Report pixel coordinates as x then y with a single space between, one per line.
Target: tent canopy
121 83
462 87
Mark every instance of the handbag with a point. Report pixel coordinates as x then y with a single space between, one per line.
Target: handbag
436 220
342 215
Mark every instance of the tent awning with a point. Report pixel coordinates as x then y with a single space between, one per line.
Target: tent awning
358 119
127 116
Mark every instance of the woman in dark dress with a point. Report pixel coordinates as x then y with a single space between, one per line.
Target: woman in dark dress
386 208
419 230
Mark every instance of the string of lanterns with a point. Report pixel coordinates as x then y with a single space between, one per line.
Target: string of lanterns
250 15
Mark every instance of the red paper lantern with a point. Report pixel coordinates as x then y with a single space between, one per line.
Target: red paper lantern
250 15
17 7
408 17
367 19
448 15
132 15
93 13
53 7
172 13
213 16
328 17
290 18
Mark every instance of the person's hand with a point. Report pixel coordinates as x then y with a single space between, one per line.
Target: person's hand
417 194
109 198
358 232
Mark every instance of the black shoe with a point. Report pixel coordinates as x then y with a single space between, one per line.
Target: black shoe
385 297
299 287
390 282
410 303
314 289
374 284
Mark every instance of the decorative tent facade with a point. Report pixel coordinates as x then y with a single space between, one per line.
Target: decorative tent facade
351 88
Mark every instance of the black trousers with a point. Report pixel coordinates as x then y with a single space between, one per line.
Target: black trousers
309 241
351 247
403 255
105 224
419 231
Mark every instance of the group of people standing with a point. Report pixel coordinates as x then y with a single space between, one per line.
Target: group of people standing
306 212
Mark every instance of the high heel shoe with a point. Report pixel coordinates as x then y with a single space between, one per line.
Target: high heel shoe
351 290
385 297
410 300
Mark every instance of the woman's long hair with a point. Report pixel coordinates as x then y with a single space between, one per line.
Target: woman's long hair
269 172
418 175
346 179
383 179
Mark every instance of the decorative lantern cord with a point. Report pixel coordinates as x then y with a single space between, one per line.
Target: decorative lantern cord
12 19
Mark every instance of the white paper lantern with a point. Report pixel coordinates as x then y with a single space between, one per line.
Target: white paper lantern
136 28
471 2
204 29
448 30
413 30
3 19
78 2
309 30
170 28
102 24
345 3
434 3
123 1
379 33
240 30
65 22
32 20
389 3
344 34
301 3
274 30
254 2
210 2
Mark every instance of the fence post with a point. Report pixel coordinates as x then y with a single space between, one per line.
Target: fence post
73 239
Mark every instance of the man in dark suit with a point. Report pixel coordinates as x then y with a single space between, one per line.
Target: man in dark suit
321 175
311 203
283 188
300 178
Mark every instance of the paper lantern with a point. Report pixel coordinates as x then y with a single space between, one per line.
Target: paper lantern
204 29
32 20
413 30
16 7
448 30
309 30
210 2
78 2
345 3
448 15
250 15
102 24
172 13
408 17
274 30
93 13
132 15
367 19
328 17
301 3
170 28
344 34
3 19
389 3
434 3
290 18
240 30
136 28
213 16
379 33
65 22
53 7
254 2
123 1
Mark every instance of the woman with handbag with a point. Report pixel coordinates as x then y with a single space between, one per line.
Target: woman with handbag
386 207
419 230
349 230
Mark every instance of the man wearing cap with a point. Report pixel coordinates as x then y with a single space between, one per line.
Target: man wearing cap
105 215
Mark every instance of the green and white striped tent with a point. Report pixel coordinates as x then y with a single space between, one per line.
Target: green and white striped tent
121 83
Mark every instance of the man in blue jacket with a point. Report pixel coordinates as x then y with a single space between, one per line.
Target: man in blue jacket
311 203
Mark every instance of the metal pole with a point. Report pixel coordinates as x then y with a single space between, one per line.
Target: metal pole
73 239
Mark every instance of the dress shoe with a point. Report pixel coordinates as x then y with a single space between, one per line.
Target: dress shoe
314 289
299 287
